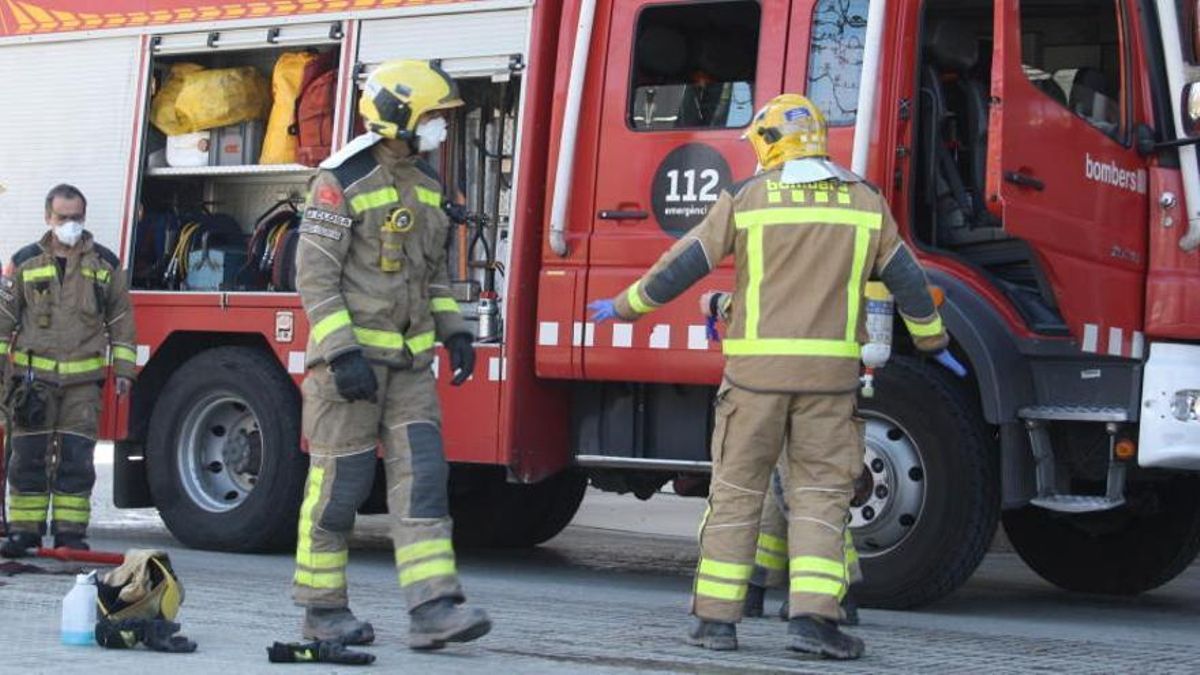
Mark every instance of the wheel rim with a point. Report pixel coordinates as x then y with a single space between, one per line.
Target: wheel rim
889 496
220 452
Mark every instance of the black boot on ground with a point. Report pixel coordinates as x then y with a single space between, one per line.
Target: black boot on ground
755 595
849 611
437 622
715 635
72 541
18 544
336 624
814 635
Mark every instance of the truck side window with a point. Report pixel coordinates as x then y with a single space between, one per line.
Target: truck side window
1072 52
835 56
694 66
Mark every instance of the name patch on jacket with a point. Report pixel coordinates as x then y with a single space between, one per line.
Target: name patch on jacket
319 216
321 231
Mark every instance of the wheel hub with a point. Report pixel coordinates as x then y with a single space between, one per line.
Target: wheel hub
889 494
220 452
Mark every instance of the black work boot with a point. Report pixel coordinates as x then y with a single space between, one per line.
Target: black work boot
849 611
755 595
336 624
715 635
71 540
816 635
437 622
18 544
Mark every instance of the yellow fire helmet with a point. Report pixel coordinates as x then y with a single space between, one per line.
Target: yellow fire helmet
399 92
143 587
788 127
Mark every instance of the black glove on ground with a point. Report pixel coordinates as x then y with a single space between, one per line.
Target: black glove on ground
353 376
157 634
325 651
462 357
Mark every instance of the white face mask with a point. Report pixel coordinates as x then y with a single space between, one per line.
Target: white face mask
69 232
431 134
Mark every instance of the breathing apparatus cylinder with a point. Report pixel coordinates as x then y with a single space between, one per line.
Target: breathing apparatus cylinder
881 308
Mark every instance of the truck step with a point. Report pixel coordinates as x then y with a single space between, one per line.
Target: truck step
1077 503
1074 413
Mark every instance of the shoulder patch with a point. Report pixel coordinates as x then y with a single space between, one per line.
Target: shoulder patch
107 256
354 169
314 214
26 253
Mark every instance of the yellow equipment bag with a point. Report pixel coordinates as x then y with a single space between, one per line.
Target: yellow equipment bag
162 106
279 143
222 96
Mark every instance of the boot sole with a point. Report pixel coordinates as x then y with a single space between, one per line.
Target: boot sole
713 645
811 646
431 641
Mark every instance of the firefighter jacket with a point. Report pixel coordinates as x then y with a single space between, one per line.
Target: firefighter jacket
67 326
371 263
802 255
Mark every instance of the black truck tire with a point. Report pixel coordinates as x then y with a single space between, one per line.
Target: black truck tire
223 452
1128 550
499 514
920 404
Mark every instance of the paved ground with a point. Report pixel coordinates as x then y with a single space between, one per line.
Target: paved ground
609 595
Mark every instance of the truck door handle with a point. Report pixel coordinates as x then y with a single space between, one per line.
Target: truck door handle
624 215
1024 180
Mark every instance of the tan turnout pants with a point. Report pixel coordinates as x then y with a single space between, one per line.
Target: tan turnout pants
824 456
342 439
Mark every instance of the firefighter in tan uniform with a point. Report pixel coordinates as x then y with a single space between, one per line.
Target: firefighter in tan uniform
806 235
65 317
371 272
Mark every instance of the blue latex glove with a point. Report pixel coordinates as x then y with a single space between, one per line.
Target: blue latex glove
947 360
710 329
603 310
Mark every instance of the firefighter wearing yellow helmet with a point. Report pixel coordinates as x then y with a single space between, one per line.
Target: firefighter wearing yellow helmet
371 272
806 235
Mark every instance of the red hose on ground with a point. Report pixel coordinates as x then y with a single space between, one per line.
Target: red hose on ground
75 555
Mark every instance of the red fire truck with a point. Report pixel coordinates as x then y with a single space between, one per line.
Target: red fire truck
1038 155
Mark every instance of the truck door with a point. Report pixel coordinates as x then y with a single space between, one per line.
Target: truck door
1063 173
681 83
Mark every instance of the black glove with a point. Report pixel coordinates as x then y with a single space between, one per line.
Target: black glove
325 651
157 634
354 378
462 357
457 213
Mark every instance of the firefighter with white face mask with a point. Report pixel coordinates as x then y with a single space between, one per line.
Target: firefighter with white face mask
806 235
371 272
65 318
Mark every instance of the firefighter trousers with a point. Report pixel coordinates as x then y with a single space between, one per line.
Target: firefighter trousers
51 469
824 456
771 558
342 441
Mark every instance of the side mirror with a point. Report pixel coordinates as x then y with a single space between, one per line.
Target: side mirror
1191 109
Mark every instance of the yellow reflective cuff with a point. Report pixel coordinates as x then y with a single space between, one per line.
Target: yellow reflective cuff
72 502
754 259
770 561
329 324
635 300
439 305
39 273
854 287
769 542
70 515
721 590
787 347
29 501
124 354
26 515
97 274
382 339
724 570
324 560
814 565
808 216
441 567
817 585
421 343
428 197
374 199
930 329
423 549
320 579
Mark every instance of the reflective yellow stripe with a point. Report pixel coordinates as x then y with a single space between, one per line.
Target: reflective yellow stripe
440 567
29 501
808 216
320 579
26 515
813 564
124 354
423 549
774 197
770 561
383 339
854 287
754 259
724 570
80 367
428 197
70 515
326 559
439 305
843 198
23 359
820 196
39 273
421 343
99 275
329 324
786 347
312 494
72 502
851 555
3 347
635 300
930 329
373 200
818 585
721 590
769 542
